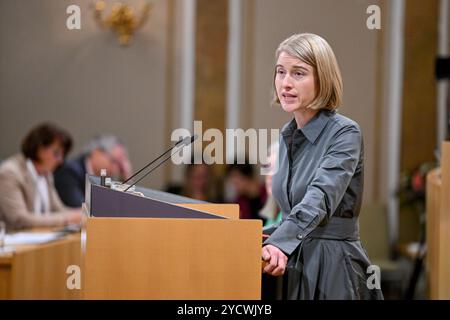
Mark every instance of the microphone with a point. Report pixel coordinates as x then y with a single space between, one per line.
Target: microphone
180 143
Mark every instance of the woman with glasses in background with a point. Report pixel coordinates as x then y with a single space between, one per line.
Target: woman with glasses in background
27 194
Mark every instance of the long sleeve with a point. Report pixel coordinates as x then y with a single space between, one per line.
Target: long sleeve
324 193
14 210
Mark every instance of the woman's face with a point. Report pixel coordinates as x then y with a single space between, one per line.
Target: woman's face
50 157
294 82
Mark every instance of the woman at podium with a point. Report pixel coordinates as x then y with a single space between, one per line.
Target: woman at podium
319 181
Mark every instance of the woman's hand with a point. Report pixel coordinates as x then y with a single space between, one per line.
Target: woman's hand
73 216
276 260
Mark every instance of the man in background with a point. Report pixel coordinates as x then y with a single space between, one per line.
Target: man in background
103 152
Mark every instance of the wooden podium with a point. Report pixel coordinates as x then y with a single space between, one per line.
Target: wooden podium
171 251
438 228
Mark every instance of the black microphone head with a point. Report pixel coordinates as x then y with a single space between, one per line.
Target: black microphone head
181 140
186 141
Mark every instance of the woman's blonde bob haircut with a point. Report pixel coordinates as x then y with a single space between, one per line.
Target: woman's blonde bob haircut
316 52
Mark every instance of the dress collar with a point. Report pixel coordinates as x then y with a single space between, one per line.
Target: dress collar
313 128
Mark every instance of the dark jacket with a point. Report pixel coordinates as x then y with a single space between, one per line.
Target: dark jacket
70 181
319 187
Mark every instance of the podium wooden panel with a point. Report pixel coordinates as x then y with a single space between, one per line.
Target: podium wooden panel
228 210
438 228
157 258
39 271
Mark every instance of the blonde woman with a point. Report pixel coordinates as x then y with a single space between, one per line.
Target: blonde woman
319 182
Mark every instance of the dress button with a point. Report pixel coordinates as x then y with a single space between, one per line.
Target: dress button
299 237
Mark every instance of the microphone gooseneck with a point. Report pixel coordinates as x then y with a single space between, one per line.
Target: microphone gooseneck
153 161
180 143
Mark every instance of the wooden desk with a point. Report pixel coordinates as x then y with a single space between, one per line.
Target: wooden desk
39 271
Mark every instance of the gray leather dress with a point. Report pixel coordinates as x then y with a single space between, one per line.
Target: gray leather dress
319 187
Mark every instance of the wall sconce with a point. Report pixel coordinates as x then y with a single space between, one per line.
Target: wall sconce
122 19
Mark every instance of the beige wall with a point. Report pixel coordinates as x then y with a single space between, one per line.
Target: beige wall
82 79
86 82
343 25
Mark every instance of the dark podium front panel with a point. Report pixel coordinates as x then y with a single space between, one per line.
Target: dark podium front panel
105 202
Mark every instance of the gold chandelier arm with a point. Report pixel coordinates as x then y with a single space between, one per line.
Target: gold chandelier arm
144 15
99 8
122 19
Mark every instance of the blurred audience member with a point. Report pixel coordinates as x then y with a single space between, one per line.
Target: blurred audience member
27 194
270 212
103 152
271 287
251 195
197 184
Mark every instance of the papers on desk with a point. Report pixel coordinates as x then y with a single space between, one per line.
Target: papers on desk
6 250
31 238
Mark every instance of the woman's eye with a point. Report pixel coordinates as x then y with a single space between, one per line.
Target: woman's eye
279 71
298 74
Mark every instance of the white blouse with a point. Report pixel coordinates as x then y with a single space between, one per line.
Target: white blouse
41 198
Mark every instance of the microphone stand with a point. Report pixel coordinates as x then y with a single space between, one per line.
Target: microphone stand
184 143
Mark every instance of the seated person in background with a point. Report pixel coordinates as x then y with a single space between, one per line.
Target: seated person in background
27 194
271 287
103 152
198 183
251 195
270 211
